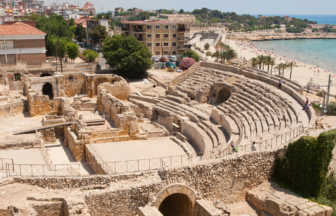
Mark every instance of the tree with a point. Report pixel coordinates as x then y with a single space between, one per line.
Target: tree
190 53
186 63
261 60
80 33
72 51
216 55
72 22
206 46
99 34
267 61
291 65
58 48
127 54
90 55
208 53
181 11
143 15
254 62
34 16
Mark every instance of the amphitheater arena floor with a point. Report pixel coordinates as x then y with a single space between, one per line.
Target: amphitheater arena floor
139 149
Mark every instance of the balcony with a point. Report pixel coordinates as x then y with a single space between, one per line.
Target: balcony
140 30
182 48
157 39
141 39
125 29
181 38
182 30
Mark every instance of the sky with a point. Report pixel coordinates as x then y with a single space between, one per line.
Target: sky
238 6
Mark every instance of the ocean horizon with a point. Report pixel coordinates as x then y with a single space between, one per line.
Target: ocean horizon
319 18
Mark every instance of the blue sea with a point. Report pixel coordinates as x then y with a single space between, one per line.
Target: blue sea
321 52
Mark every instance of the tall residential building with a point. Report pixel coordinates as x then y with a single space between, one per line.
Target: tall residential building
161 38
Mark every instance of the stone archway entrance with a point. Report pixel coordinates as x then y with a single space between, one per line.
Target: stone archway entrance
176 205
48 90
223 95
176 200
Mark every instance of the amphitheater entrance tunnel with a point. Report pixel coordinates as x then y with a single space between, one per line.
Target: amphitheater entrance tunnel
48 90
223 94
177 204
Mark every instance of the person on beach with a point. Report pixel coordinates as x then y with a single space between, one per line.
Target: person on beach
280 83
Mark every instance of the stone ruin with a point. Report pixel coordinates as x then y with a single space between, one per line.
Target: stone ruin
202 112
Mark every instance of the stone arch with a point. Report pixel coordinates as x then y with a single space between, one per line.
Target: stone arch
179 189
47 89
223 94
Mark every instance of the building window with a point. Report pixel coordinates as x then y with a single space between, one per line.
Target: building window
149 44
157 26
9 44
165 27
157 44
165 52
174 52
174 26
174 44
149 27
165 35
2 44
166 44
157 52
157 35
174 35
149 35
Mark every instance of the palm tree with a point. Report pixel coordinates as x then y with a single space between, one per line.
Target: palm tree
216 55
231 54
282 67
272 63
291 65
223 56
268 60
254 62
260 60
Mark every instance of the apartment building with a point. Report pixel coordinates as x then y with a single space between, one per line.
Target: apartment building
90 25
22 42
161 38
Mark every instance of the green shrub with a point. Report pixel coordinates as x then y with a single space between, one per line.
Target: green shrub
91 56
305 165
86 52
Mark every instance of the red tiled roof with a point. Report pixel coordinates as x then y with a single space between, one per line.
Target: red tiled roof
19 28
152 22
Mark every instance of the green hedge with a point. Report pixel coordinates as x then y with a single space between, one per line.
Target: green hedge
305 165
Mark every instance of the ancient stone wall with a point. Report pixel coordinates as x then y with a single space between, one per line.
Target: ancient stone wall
12 108
119 89
15 81
74 83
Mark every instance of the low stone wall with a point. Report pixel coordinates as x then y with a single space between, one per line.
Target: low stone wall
21 144
12 108
185 74
189 130
94 161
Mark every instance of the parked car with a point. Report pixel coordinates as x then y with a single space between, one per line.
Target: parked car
155 58
170 64
163 59
172 58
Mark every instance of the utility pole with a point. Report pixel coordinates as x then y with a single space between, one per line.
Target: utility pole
59 51
329 82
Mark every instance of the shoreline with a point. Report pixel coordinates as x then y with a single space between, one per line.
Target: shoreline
301 74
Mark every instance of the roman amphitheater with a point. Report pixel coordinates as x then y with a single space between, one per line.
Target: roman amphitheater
84 143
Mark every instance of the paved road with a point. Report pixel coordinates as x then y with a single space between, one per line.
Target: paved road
101 62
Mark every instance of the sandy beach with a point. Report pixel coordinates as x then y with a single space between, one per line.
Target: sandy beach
302 74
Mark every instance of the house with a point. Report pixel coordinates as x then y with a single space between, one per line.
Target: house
262 17
287 18
137 11
162 38
90 25
22 42
89 9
